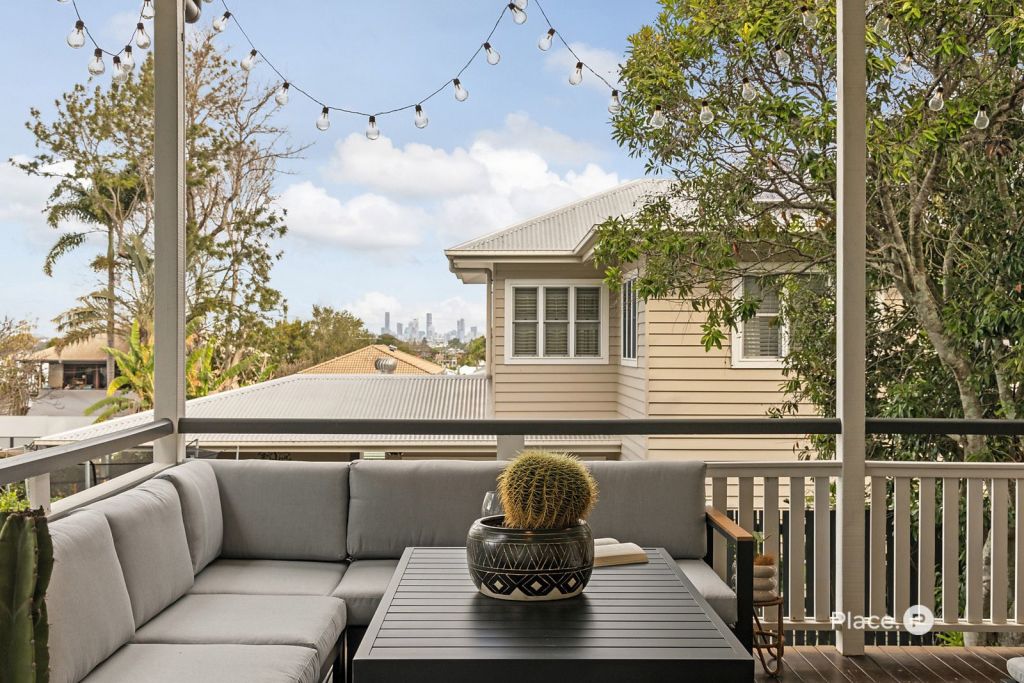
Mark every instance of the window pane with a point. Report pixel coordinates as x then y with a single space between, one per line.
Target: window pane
524 339
556 303
556 339
524 303
588 339
628 321
762 338
769 297
588 304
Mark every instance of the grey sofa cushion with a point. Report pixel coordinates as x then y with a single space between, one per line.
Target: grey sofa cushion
208 664
652 504
715 591
269 577
200 507
414 503
314 621
1015 667
149 536
283 510
363 586
87 601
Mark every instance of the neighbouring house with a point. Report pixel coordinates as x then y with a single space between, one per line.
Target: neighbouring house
364 362
562 345
79 366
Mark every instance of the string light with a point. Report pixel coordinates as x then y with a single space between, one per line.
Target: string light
981 121
148 11
521 4
461 94
372 131
545 40
782 57
614 103
906 64
249 61
706 115
658 119
420 119
324 122
76 38
282 93
142 38
576 77
96 66
883 24
127 59
493 56
221 22
119 74
747 92
808 16
518 15
936 103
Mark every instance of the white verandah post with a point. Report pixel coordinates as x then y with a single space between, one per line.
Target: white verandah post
850 315
169 229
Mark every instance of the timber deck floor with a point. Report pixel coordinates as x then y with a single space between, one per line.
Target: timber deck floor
911 664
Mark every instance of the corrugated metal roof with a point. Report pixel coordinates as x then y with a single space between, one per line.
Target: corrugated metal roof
360 362
566 228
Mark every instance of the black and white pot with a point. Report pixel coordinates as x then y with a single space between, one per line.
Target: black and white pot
529 564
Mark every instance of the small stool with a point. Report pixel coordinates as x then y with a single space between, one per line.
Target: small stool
769 643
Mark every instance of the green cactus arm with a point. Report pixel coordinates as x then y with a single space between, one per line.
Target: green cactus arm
44 569
17 585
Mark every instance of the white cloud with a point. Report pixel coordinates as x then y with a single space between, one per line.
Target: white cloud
521 132
367 221
604 62
23 200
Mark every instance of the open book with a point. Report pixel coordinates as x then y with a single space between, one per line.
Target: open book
609 552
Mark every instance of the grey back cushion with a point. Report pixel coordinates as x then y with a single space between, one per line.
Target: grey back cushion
278 510
149 536
414 503
652 504
196 485
87 602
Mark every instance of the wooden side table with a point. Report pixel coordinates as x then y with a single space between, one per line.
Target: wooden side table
769 639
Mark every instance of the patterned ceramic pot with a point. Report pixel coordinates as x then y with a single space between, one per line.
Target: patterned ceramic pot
528 564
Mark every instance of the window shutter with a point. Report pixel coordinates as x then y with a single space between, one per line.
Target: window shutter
524 321
588 322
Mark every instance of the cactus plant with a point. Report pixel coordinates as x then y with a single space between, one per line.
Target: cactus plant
541 490
26 561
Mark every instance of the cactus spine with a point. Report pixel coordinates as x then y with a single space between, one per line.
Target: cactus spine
541 490
26 562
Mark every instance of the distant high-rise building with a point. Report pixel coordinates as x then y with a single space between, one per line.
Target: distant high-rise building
414 329
472 332
398 330
430 325
460 329
387 323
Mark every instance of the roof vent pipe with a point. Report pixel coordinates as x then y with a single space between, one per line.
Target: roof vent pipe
385 366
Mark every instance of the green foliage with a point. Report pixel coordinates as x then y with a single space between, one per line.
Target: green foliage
756 188
476 351
26 562
540 490
17 379
12 499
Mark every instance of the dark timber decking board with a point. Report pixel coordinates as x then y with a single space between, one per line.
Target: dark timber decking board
632 623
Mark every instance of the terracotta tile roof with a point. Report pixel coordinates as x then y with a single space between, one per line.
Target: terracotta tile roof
361 362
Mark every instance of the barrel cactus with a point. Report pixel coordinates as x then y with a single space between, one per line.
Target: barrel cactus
540 490
26 561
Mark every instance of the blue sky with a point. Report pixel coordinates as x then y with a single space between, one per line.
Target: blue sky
369 220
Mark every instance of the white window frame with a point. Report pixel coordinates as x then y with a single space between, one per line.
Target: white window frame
738 359
623 358
600 359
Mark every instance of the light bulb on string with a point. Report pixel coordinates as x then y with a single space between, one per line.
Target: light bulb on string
782 57
128 59
518 15
905 65
324 122
282 94
96 66
883 24
142 39
981 121
76 38
658 119
614 103
119 74
936 103
747 92
576 77
521 4
221 22
706 115
372 131
493 57
249 61
148 12
461 94
420 120
545 40
808 17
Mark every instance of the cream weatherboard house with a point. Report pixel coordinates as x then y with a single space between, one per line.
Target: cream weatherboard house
562 345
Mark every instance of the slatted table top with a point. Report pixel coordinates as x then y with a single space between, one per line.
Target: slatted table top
632 623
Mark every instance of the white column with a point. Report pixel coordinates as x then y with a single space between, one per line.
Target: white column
850 315
169 234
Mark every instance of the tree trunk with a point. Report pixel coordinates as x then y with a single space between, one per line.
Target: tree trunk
111 275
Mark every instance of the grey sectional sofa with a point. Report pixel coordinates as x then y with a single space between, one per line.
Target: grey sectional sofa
258 571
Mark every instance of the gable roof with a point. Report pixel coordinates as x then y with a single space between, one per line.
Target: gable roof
87 351
565 230
361 362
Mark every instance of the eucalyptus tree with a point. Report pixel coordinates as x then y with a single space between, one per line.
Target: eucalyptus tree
737 103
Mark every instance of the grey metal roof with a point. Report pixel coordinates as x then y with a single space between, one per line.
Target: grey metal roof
566 228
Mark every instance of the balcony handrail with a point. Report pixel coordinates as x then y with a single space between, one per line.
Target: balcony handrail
21 467
943 425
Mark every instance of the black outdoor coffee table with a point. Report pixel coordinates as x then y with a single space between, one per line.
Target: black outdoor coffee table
642 622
